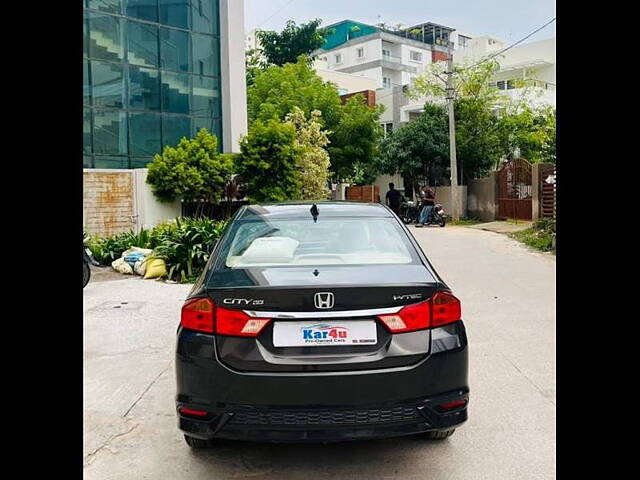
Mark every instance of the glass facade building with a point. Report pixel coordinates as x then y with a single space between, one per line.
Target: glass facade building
151 77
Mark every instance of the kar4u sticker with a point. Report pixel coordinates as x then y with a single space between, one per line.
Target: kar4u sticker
322 333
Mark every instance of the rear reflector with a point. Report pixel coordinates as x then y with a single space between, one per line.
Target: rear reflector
237 323
410 318
441 309
193 413
451 405
201 315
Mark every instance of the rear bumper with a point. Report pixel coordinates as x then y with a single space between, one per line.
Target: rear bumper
318 406
273 424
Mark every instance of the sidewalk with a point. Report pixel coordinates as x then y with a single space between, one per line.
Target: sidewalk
502 227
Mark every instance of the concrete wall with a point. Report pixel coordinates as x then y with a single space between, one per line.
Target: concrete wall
443 197
481 198
108 201
348 81
116 201
382 181
233 77
150 212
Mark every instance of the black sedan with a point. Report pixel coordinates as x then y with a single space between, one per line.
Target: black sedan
318 323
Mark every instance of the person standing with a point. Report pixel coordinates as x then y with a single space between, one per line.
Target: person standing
393 199
428 200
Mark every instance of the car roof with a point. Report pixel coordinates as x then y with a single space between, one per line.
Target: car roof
303 209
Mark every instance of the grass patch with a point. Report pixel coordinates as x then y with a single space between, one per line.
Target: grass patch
540 236
465 221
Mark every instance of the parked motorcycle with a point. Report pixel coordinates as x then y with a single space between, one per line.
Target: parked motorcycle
87 259
437 216
409 211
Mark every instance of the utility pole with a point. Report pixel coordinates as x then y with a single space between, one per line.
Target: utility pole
455 214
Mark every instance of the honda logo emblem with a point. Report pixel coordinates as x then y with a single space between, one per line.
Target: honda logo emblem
323 300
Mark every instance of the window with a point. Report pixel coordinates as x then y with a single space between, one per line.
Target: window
142 44
415 56
511 84
105 38
86 84
360 52
387 128
144 133
86 130
463 41
142 9
175 92
174 13
144 89
386 82
109 132
333 241
111 162
110 6
211 124
107 80
174 127
338 58
500 85
205 100
174 49
204 16
386 53
205 59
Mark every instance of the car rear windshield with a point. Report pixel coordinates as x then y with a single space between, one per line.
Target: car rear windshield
285 242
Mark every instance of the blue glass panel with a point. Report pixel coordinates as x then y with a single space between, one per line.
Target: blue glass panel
174 49
205 100
174 13
109 6
144 133
109 132
142 44
174 127
143 9
110 162
144 88
140 162
86 84
86 130
213 125
205 54
86 162
107 84
205 15
105 37
176 90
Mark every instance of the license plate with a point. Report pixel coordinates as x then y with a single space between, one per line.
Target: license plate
318 333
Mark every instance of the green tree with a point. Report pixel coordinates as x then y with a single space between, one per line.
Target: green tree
313 160
193 170
268 161
354 127
418 150
528 132
284 47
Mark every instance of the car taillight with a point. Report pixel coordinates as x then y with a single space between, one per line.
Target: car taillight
238 324
410 318
442 308
445 308
197 314
201 315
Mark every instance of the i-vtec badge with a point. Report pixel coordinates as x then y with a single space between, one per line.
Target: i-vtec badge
411 296
242 301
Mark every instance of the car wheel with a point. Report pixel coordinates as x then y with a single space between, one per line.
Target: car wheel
439 435
86 274
198 443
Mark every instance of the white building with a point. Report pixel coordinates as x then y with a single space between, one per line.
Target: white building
528 69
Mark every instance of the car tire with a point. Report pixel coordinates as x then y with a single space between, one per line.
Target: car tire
198 443
439 435
86 274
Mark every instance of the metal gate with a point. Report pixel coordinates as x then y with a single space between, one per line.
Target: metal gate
513 190
547 190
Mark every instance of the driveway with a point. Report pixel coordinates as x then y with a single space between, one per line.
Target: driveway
508 301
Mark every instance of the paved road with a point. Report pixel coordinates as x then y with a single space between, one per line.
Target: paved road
508 298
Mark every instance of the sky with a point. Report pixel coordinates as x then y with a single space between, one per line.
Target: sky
509 20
